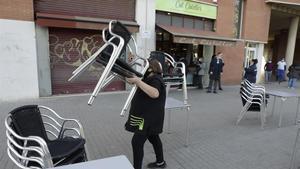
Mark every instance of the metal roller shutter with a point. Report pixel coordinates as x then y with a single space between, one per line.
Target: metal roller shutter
68 49
110 9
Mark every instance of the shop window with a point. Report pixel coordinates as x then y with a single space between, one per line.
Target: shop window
208 25
199 24
163 19
177 21
166 36
159 36
188 23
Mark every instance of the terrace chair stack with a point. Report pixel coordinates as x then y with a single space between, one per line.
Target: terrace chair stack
173 72
254 99
38 138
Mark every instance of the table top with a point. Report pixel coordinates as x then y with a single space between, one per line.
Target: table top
172 103
282 93
116 162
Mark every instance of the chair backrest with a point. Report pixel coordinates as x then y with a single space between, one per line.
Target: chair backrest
169 65
247 96
26 152
27 121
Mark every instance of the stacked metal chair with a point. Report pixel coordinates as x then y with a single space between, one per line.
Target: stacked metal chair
173 72
116 38
254 99
38 138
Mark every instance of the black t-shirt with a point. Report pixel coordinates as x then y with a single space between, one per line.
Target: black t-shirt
146 115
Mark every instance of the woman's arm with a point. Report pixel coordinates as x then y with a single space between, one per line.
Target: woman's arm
149 90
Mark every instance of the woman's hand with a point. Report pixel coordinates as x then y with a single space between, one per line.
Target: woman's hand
149 90
133 80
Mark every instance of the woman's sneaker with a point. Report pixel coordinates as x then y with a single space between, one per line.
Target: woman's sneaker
157 165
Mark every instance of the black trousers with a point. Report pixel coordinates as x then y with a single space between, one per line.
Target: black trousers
220 86
214 82
138 141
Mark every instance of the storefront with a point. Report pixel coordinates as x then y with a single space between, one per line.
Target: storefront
74 33
186 30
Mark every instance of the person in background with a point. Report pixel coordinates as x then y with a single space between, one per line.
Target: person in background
215 71
268 71
146 115
200 73
281 67
251 71
220 55
210 76
292 75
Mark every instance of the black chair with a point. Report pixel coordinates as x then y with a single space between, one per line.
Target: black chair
116 38
37 137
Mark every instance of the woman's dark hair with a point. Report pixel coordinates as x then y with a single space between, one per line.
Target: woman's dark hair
155 66
254 61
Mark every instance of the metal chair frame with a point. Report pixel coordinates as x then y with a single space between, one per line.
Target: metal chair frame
253 95
105 78
176 66
55 127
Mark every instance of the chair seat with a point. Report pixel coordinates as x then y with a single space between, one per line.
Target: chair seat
173 75
120 67
63 147
173 79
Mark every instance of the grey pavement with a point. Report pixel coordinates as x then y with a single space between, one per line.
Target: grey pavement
215 141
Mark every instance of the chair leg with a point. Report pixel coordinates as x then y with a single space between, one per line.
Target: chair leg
292 162
263 116
242 113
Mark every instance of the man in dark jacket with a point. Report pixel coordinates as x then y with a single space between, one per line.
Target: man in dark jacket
215 70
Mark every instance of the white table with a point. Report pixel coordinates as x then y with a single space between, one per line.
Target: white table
116 162
284 96
172 104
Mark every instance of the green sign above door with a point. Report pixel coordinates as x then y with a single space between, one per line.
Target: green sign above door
187 7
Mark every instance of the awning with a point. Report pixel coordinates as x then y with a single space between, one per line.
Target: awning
287 6
193 36
79 22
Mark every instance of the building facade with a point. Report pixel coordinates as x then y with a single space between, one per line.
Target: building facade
61 35
43 41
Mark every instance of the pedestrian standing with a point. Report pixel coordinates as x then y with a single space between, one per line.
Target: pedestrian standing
281 67
146 115
268 71
292 75
200 73
215 71
220 55
210 76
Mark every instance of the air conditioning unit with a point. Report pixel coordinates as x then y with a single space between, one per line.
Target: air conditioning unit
215 1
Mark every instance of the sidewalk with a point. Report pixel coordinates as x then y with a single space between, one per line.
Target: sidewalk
215 141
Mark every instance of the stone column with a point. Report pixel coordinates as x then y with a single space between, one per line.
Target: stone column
290 49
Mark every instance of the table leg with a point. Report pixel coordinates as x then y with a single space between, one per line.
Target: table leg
294 151
280 109
187 126
297 110
169 122
273 107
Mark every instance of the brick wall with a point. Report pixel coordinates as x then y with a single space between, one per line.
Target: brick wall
16 9
224 24
256 20
233 59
